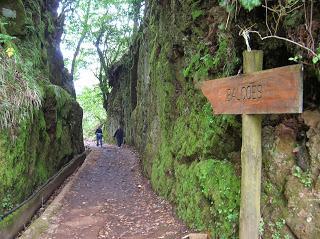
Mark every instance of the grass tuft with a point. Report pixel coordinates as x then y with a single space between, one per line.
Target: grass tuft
19 92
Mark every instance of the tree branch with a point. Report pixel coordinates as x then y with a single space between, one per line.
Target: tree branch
82 37
284 39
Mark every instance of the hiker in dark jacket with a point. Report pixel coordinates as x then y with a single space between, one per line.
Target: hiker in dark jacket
99 136
119 134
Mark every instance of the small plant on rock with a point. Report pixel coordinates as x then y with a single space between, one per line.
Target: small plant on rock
304 177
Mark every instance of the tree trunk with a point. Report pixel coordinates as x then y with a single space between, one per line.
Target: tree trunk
136 15
100 53
82 37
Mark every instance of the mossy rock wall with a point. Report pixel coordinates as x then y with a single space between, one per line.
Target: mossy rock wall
193 157
35 148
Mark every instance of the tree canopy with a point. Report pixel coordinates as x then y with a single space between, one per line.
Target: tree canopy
94 114
97 33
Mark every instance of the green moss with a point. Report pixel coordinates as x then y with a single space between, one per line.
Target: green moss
196 14
221 187
294 19
189 198
202 63
34 148
59 129
179 148
161 177
20 160
42 173
8 221
66 143
274 210
42 121
197 133
33 154
207 193
62 96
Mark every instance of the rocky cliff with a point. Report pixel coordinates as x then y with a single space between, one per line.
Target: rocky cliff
40 127
193 157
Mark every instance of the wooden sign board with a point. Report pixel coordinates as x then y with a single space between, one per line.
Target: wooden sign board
274 91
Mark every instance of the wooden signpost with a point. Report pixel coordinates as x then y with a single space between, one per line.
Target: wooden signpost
256 92
274 91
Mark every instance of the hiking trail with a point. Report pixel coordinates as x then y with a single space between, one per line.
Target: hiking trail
111 199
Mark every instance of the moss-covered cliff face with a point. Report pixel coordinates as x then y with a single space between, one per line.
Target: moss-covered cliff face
193 157
38 138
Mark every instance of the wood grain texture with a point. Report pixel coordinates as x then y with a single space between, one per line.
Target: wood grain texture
251 160
274 91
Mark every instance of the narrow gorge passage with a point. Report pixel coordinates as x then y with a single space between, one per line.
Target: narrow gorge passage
111 199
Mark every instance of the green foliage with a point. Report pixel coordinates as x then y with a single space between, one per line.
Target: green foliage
297 58
104 27
4 38
203 63
304 177
316 58
293 19
6 203
250 4
261 227
277 229
94 114
230 5
196 14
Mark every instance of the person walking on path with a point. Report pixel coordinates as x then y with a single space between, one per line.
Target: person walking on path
99 136
119 135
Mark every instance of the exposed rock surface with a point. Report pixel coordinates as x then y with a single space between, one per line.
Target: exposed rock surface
48 137
15 12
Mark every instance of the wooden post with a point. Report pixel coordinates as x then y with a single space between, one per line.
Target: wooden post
274 91
251 158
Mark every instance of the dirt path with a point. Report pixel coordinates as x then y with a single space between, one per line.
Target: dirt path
111 199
